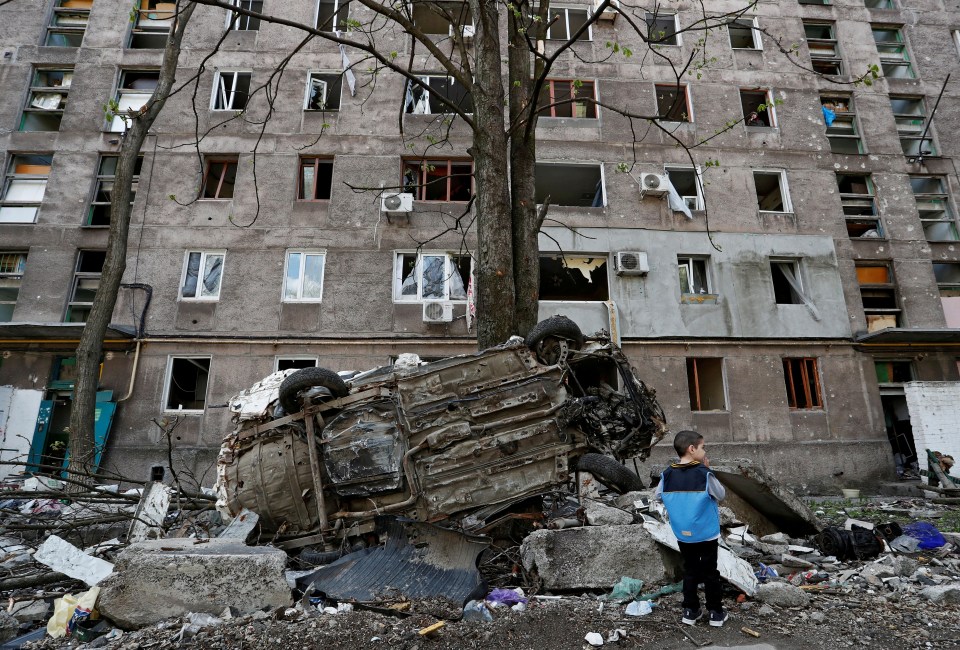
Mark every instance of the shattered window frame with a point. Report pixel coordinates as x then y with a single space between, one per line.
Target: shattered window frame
407 263
86 282
895 60
711 369
935 209
804 371
693 275
169 379
693 202
294 285
332 91
235 98
335 19
135 87
738 30
417 99
68 24
844 133
767 115
910 116
425 18
573 269
568 92
668 25
24 187
241 22
825 56
595 197
319 185
223 191
295 361
670 107
785 203
878 291
859 209
13 264
947 275
39 113
100 200
893 372
787 295
420 177
151 24
562 23
192 289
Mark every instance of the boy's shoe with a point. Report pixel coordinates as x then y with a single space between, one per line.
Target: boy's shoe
718 618
691 616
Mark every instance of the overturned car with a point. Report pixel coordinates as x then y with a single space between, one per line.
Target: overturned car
319 454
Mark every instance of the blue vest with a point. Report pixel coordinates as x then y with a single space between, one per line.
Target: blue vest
694 514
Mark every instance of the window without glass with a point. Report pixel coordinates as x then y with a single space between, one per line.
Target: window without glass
692 272
687 182
878 4
893 372
219 178
824 49
859 206
420 101
12 266
911 116
303 280
705 381
841 124
186 385
803 383
332 15
316 179
947 275
757 108
24 187
47 100
152 20
565 184
743 34
574 277
787 282
431 276
68 23
662 29
568 98
134 91
242 22
99 214
772 195
202 272
892 49
231 90
294 362
933 204
440 18
438 180
878 295
673 103
565 22
323 91
86 281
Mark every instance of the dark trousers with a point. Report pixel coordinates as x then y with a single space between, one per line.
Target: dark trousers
700 565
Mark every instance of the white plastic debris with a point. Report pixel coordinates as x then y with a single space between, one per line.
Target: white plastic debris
344 607
42 484
639 608
615 635
64 557
594 639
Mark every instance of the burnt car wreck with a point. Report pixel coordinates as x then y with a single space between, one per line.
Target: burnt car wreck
457 442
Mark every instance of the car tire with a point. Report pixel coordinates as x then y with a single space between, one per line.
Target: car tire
555 327
610 472
306 378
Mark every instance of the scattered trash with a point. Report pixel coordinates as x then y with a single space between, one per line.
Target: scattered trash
753 633
626 589
70 610
594 639
926 534
65 558
475 610
508 597
430 629
855 544
615 635
666 590
639 608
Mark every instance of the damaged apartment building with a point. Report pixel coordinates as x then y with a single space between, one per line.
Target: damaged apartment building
781 295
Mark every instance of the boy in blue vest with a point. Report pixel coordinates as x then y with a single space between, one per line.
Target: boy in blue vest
691 492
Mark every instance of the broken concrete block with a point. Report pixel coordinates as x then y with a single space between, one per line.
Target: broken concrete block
151 511
594 557
9 627
760 501
158 579
728 517
794 562
776 538
942 594
628 499
599 514
27 611
782 594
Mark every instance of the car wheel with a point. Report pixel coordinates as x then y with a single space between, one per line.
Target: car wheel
550 339
306 378
610 472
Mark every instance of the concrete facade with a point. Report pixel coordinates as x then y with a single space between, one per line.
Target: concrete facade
358 323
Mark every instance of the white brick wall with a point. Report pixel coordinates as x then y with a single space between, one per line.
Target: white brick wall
935 417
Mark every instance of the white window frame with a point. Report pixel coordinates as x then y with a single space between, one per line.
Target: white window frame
168 376
203 263
398 298
784 190
232 93
304 253
699 202
574 163
757 41
326 88
676 26
566 9
688 261
119 122
769 102
336 9
293 357
240 18
797 264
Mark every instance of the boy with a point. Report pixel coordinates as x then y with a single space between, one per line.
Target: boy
690 492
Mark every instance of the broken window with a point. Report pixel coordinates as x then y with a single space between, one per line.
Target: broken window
68 23
673 103
573 277
431 276
231 90
878 294
86 281
24 187
323 91
420 101
99 214
242 22
772 194
303 280
892 49
440 18
933 205
333 15
687 182
803 383
152 21
744 35
47 99
947 275
219 178
134 91
757 106
662 29
787 282
202 272
564 22
294 361
911 116
568 98
859 206
570 184
841 124
824 49
705 381
12 266
186 384
893 372
316 179
692 273
438 180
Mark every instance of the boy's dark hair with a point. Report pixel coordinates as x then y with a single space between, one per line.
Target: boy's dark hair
684 439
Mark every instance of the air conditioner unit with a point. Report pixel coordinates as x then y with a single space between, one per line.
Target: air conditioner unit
467 31
437 312
393 202
655 184
632 263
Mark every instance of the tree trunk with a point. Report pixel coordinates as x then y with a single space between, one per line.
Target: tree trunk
82 446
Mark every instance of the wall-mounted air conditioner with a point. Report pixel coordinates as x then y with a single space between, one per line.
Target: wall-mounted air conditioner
654 184
397 202
632 263
437 312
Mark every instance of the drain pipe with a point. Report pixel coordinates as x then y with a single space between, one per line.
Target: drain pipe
140 332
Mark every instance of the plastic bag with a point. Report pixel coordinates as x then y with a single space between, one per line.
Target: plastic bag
70 610
639 608
926 533
505 597
626 589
